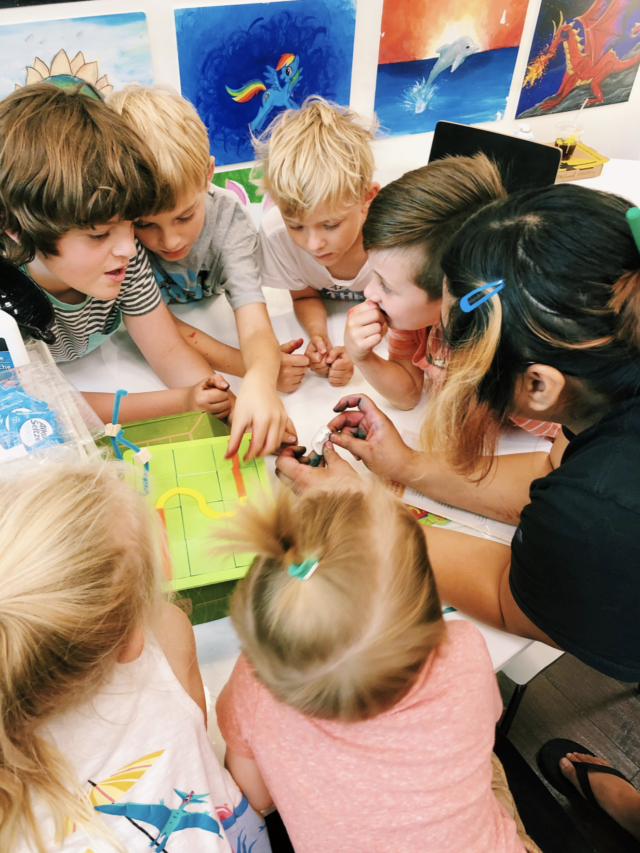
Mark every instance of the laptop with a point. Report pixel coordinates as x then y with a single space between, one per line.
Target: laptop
523 164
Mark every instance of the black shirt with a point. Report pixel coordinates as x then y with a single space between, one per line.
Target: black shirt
575 568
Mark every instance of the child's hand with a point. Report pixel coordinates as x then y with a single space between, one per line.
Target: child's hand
317 352
260 410
364 329
340 366
210 395
292 367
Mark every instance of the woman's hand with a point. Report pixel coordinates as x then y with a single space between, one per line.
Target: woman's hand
210 395
299 476
371 437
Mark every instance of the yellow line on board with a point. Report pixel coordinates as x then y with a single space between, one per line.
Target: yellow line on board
205 509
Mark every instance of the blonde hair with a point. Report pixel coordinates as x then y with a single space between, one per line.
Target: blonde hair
320 154
175 133
66 161
79 571
347 643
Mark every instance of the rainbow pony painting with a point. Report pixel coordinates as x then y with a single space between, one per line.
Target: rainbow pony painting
241 65
281 82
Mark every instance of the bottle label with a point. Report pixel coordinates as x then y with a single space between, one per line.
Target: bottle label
6 362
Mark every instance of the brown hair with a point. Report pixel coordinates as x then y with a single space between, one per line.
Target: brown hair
67 161
423 209
571 274
319 154
79 571
348 642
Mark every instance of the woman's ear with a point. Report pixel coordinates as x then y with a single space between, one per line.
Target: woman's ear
541 388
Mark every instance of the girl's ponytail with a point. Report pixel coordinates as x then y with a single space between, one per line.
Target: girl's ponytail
625 302
344 639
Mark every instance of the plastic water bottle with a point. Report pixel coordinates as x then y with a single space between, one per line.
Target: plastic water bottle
13 352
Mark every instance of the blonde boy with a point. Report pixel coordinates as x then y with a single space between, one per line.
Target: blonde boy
201 241
317 165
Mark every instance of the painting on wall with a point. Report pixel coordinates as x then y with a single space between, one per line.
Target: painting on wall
446 59
238 181
106 51
581 52
242 65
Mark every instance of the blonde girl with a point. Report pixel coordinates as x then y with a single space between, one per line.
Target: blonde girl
354 708
102 713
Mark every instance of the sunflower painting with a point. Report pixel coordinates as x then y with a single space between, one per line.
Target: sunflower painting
106 51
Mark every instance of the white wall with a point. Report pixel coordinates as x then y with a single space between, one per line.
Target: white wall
613 130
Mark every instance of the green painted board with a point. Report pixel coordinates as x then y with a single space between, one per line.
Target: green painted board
192 535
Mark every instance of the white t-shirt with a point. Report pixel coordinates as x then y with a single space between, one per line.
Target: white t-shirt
285 265
140 749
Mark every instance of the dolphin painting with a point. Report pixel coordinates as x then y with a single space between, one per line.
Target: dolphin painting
452 56
417 97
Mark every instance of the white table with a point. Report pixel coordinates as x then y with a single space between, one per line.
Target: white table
119 364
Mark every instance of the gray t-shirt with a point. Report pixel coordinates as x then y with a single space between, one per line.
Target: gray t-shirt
222 258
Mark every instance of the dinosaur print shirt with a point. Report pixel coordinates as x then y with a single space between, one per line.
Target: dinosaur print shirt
141 753
223 258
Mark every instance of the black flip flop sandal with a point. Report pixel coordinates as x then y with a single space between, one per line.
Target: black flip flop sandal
548 759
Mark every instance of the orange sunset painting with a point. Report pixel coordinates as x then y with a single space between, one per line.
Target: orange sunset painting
446 59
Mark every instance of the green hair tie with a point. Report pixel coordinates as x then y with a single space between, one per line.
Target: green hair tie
304 570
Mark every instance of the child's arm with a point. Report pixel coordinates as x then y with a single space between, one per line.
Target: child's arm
229 359
248 778
258 405
324 358
398 380
179 366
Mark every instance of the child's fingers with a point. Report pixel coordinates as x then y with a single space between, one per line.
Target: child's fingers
291 434
297 361
216 381
291 346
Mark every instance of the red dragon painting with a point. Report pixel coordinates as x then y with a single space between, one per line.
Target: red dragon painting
588 46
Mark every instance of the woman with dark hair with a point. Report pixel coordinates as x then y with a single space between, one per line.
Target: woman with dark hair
541 318
558 340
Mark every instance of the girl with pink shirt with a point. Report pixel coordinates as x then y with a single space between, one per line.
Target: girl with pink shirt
354 707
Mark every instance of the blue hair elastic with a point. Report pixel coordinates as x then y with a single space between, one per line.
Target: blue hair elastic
493 288
303 570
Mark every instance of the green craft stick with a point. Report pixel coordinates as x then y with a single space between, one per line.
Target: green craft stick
633 218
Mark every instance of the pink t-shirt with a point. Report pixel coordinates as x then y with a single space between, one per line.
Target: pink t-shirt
412 346
414 779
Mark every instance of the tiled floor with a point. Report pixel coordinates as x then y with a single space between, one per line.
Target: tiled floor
571 700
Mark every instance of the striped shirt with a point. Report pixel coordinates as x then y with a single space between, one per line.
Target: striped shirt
81 328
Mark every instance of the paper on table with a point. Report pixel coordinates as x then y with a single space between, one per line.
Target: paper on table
487 527
484 526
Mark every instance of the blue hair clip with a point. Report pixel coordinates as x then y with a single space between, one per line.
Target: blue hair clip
303 570
492 288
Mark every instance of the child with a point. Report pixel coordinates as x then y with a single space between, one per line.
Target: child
407 230
103 741
201 241
317 166
73 176
354 708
